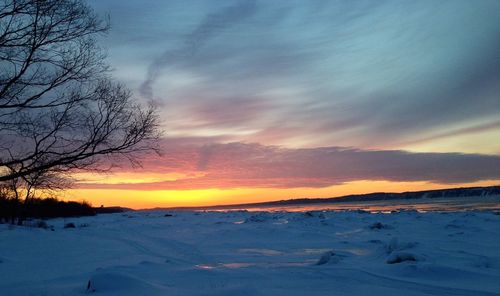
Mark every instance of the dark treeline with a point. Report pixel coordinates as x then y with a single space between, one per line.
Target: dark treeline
17 211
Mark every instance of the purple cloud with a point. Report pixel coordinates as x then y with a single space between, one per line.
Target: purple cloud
237 165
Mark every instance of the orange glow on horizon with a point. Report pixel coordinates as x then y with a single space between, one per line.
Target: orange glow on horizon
140 199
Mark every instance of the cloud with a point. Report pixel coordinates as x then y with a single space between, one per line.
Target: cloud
237 165
208 28
368 74
224 111
459 132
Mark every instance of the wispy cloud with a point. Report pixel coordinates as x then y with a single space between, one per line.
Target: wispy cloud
369 74
208 28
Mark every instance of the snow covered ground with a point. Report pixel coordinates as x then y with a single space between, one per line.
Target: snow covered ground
248 253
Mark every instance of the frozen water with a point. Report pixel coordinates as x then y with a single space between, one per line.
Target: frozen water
248 253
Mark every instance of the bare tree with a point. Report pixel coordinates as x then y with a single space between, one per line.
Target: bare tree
59 109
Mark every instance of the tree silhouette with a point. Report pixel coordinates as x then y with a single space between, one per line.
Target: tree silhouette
60 110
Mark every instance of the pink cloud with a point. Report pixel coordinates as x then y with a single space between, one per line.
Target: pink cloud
237 165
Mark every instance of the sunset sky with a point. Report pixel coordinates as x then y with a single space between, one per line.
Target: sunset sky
266 100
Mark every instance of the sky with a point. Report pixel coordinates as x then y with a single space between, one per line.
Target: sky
265 100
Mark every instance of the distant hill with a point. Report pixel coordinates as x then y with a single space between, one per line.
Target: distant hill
439 193
377 196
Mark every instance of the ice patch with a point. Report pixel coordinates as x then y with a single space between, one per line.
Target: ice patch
348 233
239 265
205 266
265 252
313 251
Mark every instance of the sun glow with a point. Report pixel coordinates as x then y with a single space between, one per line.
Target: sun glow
139 199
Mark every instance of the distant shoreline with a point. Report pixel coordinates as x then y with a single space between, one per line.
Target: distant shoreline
460 192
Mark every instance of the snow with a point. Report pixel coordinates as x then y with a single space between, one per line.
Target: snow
248 253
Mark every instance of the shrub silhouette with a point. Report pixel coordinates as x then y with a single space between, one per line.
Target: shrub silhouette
44 208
